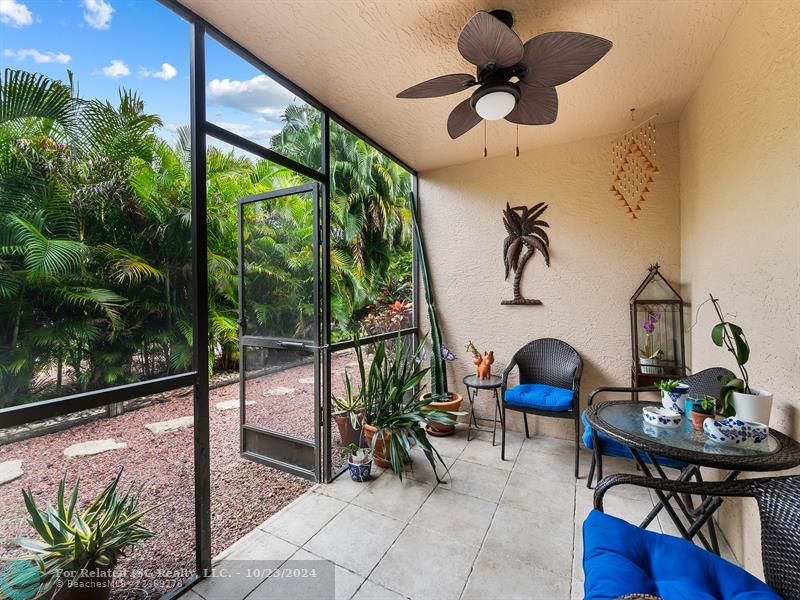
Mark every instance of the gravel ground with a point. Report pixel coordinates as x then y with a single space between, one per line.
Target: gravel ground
243 494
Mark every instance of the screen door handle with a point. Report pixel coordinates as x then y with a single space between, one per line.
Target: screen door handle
293 344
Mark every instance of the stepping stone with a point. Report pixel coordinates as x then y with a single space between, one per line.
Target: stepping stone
93 447
280 391
171 425
306 380
231 404
10 470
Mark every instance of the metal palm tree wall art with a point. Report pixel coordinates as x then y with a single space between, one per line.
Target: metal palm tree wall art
525 231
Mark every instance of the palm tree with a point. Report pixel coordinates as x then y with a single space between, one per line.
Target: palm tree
525 230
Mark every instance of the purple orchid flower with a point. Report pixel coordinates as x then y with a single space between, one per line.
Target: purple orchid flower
447 355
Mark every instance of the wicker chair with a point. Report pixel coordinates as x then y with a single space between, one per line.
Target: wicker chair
702 382
548 362
778 501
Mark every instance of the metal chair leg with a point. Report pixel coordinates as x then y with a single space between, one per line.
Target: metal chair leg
496 410
525 416
503 440
591 473
577 450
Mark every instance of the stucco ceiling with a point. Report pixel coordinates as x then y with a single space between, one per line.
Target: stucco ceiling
355 55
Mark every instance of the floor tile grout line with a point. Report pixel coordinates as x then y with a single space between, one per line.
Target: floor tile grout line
491 521
436 485
321 527
394 541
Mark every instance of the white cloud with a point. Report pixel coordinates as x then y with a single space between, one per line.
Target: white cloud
98 13
259 135
14 13
117 68
38 57
258 95
166 73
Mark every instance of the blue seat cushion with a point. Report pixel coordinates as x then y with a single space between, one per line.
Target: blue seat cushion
620 558
610 447
539 396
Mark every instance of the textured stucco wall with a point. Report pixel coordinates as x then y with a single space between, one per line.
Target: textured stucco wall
740 216
599 255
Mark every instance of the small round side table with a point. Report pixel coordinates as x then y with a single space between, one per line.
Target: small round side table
474 385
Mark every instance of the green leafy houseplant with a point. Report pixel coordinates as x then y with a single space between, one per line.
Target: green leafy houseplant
355 454
704 404
667 386
395 411
87 543
732 337
348 409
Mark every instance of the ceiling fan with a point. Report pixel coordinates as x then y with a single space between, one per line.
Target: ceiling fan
515 81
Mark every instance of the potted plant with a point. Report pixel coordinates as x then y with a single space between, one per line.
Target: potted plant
439 398
76 553
702 409
348 410
395 411
359 461
737 396
673 394
648 355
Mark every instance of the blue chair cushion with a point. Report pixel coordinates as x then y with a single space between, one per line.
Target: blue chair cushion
611 447
539 396
619 558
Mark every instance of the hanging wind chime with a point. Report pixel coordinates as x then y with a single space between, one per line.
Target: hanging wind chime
633 165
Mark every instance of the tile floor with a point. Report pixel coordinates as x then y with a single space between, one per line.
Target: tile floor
495 529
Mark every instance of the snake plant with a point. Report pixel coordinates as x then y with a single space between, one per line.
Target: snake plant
75 543
438 356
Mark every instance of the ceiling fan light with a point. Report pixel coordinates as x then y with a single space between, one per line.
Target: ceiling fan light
495 105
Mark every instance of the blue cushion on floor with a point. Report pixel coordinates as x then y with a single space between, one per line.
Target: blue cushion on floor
611 447
539 396
619 558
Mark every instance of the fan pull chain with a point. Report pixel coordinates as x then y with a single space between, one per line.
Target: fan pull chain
485 153
516 152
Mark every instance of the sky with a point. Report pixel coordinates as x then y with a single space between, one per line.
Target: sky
139 45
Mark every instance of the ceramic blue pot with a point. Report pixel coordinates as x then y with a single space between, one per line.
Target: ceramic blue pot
676 399
360 472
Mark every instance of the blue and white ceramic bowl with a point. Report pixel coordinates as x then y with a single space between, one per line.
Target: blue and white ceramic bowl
735 432
676 399
661 417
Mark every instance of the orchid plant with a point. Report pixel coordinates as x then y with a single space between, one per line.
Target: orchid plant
649 327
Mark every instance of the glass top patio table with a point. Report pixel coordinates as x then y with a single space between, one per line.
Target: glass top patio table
623 422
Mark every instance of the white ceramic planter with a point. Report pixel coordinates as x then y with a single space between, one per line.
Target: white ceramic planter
755 407
646 368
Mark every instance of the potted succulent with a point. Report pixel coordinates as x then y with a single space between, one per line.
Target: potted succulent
439 398
737 396
359 461
702 409
76 553
348 409
395 411
673 394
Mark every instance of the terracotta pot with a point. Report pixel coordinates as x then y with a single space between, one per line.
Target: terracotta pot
698 418
437 429
96 585
347 433
378 451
